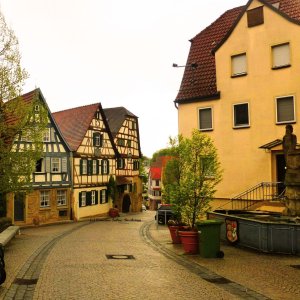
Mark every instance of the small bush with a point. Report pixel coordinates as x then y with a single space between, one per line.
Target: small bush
4 223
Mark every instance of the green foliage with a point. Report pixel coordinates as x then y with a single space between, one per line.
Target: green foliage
143 173
4 223
18 119
112 188
166 151
190 180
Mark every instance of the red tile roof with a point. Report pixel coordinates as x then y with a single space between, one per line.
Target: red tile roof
74 123
200 82
155 173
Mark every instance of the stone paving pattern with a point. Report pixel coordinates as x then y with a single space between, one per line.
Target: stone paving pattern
75 265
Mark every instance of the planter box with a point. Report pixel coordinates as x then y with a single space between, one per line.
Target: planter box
265 236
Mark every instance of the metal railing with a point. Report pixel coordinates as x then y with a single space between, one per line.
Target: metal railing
264 191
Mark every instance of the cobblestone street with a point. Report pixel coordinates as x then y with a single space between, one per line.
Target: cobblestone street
134 259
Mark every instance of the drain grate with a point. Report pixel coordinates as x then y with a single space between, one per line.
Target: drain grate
23 281
295 266
218 280
119 256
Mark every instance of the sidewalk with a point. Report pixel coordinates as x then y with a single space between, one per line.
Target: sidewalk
275 276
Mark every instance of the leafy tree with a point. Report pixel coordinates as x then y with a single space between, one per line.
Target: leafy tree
18 118
190 180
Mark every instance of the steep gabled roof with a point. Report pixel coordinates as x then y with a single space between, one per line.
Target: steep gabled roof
155 173
75 122
200 83
27 99
115 117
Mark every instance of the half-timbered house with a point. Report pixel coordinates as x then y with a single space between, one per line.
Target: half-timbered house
125 131
93 151
48 200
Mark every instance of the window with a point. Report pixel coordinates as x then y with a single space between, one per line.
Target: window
36 108
132 125
241 115
156 182
55 165
98 115
281 56
205 119
285 110
44 199
121 163
128 143
136 165
46 135
39 166
121 142
61 197
82 201
255 16
97 139
238 65
105 166
95 167
83 167
93 197
103 196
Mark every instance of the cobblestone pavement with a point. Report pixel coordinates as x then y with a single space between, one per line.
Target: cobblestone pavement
71 261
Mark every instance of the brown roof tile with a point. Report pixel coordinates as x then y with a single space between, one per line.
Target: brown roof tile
200 82
74 123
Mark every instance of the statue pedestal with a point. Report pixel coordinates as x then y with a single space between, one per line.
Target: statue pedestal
292 183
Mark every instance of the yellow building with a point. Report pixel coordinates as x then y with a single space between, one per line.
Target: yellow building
241 86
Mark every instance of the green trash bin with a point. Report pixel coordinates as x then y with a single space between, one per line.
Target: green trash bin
209 238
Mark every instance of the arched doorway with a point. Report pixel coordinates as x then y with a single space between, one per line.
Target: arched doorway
126 204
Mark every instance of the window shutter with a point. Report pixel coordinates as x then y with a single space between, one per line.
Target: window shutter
80 202
205 118
255 16
97 167
239 64
281 55
64 165
88 198
285 109
96 197
107 167
52 134
101 196
89 167
48 165
101 140
106 196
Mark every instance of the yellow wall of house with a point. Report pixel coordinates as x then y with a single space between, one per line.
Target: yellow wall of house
243 162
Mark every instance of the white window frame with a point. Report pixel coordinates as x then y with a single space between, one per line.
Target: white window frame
233 115
44 199
294 109
94 167
61 196
238 72
104 166
282 63
47 136
98 138
55 165
84 166
103 196
211 114
93 197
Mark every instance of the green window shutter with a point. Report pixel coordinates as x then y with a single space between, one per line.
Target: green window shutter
96 197
106 196
81 162
48 164
88 198
101 171
98 169
89 167
64 164
101 140
100 196
52 134
80 203
107 167
94 138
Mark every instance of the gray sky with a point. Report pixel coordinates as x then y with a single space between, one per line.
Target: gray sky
117 52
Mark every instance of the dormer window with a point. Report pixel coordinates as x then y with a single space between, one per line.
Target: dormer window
238 65
276 5
255 16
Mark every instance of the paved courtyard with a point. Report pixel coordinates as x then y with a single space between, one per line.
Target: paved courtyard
134 259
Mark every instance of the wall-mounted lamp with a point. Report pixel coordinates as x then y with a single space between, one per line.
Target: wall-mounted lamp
192 65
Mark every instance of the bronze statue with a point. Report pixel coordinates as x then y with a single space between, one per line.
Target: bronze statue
289 141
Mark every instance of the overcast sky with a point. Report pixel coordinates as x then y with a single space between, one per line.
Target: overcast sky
117 52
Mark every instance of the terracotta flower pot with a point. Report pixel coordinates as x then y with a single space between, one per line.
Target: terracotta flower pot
189 240
174 234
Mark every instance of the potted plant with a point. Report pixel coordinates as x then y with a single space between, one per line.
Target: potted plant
199 173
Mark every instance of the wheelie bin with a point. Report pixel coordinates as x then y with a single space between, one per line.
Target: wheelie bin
209 238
